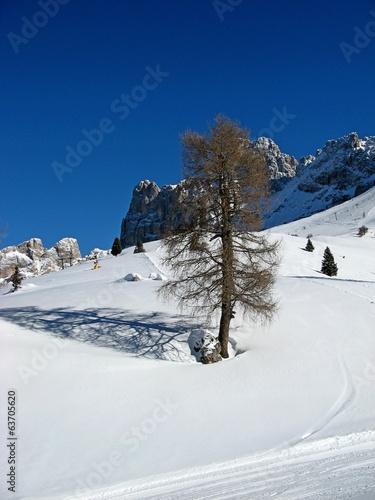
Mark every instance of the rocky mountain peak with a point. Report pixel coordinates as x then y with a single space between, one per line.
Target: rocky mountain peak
33 258
350 141
143 194
344 168
280 164
149 213
33 248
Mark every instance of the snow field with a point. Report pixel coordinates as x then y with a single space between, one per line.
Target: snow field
112 404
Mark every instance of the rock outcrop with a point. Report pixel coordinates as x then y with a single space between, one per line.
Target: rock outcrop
279 164
32 258
150 214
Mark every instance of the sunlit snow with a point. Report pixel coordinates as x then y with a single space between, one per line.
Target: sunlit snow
112 403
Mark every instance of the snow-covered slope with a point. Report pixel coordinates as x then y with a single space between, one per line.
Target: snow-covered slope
342 219
342 169
111 402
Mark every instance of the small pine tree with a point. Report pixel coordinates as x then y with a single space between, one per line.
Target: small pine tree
309 246
329 267
116 247
362 231
16 279
139 248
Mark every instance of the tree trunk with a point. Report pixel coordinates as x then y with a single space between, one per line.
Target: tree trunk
226 316
227 269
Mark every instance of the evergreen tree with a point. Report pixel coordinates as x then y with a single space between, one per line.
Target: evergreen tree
329 267
362 231
116 247
309 246
139 248
16 279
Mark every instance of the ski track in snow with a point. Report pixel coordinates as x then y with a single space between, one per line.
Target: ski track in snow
362 289
295 469
340 467
149 263
345 397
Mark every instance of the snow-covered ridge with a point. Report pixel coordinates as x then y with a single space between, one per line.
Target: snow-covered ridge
342 170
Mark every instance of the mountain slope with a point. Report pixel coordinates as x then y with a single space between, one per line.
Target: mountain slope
340 171
343 219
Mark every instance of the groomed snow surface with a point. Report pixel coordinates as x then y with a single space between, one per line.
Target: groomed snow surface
112 404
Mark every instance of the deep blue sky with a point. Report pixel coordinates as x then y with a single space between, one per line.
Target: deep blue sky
246 62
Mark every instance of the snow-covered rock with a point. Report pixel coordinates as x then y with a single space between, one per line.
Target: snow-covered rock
279 164
32 258
157 277
133 277
150 214
205 346
97 253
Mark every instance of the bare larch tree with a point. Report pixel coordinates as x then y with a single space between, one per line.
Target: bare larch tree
218 261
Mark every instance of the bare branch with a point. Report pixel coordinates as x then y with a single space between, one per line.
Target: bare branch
217 260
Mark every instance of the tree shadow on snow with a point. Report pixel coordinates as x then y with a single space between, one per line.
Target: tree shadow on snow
153 335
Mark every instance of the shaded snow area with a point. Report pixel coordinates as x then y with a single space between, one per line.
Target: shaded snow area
112 403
